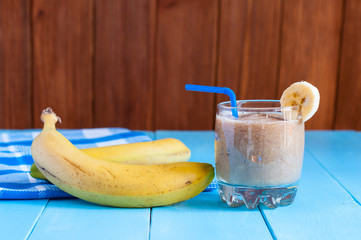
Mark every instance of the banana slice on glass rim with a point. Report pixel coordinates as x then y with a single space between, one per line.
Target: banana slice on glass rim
304 95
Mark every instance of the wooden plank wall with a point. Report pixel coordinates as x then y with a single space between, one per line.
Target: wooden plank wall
15 64
122 63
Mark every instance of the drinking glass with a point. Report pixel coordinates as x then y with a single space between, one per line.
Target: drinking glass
259 155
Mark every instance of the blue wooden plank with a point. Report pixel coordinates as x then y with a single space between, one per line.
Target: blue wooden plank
77 219
204 216
322 209
207 217
18 217
339 152
201 143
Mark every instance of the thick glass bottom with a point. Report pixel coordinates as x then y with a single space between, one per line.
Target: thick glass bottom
272 197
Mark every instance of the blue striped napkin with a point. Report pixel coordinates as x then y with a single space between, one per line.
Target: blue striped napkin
16 160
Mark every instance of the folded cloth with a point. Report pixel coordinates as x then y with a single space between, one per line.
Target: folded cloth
16 160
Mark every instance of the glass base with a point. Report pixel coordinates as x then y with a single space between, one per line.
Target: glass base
272 197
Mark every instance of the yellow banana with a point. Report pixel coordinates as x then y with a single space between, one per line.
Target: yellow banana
111 183
167 150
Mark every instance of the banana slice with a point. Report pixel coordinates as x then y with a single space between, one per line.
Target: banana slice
302 94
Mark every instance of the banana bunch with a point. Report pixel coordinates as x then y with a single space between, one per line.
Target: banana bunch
162 151
112 183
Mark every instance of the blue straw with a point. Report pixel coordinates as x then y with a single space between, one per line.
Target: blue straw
222 90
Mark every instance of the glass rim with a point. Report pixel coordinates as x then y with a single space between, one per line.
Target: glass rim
221 105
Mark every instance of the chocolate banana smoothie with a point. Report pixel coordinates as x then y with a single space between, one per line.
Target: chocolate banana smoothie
259 149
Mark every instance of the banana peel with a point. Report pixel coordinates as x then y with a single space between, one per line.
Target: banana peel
110 183
168 150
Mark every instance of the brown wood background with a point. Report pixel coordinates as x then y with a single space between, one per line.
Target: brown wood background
124 63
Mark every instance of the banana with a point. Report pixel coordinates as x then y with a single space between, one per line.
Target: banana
167 150
35 173
304 95
144 153
111 183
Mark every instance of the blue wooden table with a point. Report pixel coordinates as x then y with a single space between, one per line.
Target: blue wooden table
327 205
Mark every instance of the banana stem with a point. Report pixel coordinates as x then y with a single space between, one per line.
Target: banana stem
49 118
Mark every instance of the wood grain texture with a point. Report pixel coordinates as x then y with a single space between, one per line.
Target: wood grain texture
310 51
339 153
77 219
15 64
119 63
348 113
19 217
124 54
185 53
322 209
207 217
249 48
63 56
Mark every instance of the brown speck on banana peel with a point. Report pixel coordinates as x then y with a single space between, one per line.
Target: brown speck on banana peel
47 172
177 153
188 182
74 165
110 173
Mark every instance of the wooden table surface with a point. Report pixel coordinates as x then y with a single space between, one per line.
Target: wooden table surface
327 205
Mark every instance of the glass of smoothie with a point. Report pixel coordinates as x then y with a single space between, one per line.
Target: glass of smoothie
259 155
